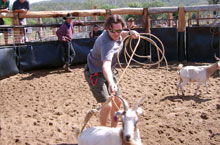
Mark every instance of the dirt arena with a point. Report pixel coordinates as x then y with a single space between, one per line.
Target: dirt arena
44 107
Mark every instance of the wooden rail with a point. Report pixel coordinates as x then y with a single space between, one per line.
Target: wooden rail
202 8
103 12
145 12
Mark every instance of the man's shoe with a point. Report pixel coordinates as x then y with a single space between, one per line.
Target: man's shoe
67 69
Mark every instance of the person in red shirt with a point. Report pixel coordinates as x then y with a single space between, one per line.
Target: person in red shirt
64 34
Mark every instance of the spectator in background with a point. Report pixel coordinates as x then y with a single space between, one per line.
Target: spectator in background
95 32
4 8
131 23
21 6
64 34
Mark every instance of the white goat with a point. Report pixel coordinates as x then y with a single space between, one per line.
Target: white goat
127 135
198 74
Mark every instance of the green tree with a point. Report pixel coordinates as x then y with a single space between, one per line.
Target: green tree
155 4
7 21
138 18
213 1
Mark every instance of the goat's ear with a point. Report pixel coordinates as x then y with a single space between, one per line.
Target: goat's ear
140 111
118 115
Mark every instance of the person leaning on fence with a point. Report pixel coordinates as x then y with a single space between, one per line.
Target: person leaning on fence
21 6
4 8
95 32
101 62
64 34
131 23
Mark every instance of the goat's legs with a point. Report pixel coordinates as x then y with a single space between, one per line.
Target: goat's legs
198 86
183 84
207 90
178 86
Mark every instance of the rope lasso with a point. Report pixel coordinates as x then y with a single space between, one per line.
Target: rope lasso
127 40
214 31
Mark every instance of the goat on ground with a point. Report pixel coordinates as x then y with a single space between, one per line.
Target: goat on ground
127 135
198 74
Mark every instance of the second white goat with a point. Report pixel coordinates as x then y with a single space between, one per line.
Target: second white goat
198 74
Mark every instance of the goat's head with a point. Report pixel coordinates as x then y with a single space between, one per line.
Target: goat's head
129 118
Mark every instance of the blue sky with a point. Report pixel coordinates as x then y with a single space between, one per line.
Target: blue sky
31 1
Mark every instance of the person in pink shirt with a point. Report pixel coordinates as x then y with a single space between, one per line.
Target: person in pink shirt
64 34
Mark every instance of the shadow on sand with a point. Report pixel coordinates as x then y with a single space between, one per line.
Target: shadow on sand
66 144
196 99
44 72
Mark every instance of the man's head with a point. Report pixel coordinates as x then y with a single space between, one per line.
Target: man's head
130 22
95 28
114 26
69 18
21 1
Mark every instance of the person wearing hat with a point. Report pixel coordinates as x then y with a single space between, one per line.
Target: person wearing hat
131 24
95 32
64 34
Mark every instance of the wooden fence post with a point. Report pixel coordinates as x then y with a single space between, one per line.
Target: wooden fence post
39 32
190 19
108 13
79 27
16 31
95 17
146 21
198 18
170 19
181 20
208 18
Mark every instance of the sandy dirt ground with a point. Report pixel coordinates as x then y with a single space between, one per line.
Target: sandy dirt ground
44 107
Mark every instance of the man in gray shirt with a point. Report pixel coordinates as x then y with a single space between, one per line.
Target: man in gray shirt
101 61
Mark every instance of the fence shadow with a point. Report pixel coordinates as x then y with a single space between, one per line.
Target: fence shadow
196 99
46 72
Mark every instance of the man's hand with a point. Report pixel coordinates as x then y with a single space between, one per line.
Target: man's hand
134 34
112 88
64 38
4 11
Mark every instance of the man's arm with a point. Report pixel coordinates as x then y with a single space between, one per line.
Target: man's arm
91 34
4 10
107 72
60 33
79 23
20 11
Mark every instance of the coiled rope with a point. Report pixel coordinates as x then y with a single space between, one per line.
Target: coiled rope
128 40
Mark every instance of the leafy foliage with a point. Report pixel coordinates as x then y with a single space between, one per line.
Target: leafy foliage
52 5
213 1
88 4
7 21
